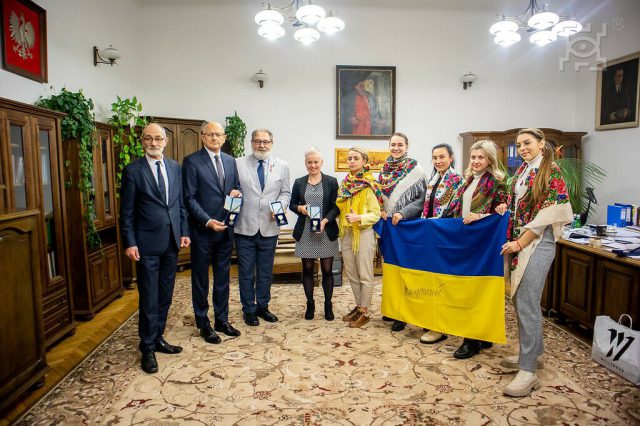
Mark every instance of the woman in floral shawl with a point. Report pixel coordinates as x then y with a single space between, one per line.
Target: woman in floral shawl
441 191
359 200
540 208
402 183
484 190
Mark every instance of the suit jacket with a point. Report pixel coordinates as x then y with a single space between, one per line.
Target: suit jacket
203 196
329 208
145 220
256 208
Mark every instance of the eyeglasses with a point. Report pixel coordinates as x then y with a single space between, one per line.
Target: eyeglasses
152 138
214 135
261 142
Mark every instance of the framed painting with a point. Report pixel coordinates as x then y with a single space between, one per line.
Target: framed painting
617 93
377 158
365 102
24 39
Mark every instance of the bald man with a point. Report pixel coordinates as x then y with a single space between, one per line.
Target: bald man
153 224
208 176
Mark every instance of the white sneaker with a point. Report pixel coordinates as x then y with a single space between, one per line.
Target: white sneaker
431 337
512 362
522 384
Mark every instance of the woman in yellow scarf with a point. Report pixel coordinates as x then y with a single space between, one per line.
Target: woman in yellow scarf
359 201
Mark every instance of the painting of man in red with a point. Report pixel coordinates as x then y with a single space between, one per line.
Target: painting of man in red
361 119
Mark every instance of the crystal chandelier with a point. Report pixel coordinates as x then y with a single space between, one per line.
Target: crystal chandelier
308 19
545 27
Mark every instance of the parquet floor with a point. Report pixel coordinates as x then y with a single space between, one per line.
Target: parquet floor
66 355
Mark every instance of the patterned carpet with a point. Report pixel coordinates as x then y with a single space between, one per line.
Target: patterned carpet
318 372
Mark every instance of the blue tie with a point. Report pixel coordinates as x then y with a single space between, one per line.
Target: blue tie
261 174
161 186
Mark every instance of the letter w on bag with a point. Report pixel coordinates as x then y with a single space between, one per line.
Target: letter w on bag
617 341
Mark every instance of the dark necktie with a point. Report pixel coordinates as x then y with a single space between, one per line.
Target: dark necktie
220 171
261 174
161 185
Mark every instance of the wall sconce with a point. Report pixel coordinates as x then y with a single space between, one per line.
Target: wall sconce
260 77
108 55
468 79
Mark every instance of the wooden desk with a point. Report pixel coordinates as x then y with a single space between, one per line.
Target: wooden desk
585 282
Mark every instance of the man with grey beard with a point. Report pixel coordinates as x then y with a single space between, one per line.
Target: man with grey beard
264 179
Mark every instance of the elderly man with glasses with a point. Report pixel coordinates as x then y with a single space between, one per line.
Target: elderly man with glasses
153 224
208 176
264 180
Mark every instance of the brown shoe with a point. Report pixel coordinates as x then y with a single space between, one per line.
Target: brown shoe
350 315
359 321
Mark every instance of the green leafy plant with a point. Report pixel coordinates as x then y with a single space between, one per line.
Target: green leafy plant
579 174
78 126
236 131
128 121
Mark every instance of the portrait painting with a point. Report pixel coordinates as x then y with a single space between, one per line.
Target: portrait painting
365 102
24 39
617 93
377 158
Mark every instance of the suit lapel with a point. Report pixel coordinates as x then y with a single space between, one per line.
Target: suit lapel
207 160
253 172
172 178
148 175
271 175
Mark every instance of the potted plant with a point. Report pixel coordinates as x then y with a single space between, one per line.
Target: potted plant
236 131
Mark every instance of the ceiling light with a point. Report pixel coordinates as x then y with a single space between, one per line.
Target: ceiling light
545 26
307 18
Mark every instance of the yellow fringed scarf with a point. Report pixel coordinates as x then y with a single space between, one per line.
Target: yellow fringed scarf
356 203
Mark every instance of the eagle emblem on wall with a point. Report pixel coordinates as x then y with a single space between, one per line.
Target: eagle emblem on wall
22 34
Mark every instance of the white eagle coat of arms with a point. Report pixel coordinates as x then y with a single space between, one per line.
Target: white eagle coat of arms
23 35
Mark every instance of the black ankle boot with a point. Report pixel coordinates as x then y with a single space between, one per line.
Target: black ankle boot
311 308
328 311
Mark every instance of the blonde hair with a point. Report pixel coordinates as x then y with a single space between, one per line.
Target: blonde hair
362 152
541 181
491 151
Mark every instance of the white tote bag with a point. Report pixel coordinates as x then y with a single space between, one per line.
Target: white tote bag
617 347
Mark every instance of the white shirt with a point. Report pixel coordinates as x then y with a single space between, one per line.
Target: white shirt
521 187
154 169
213 160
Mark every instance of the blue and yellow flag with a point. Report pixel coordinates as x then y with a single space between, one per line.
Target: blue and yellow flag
446 276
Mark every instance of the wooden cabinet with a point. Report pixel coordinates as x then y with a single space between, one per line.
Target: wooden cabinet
95 268
22 358
591 282
569 142
32 177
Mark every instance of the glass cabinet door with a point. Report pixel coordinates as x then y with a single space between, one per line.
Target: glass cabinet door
104 189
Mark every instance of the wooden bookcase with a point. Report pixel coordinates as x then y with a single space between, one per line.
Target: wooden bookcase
95 270
22 360
32 177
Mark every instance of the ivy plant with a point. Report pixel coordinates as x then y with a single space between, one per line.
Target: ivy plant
78 126
236 131
127 139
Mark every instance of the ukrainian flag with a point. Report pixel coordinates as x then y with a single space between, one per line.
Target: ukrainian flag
446 276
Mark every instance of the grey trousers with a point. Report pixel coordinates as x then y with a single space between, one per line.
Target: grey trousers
527 301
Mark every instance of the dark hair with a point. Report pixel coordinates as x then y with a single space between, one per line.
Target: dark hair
449 150
541 181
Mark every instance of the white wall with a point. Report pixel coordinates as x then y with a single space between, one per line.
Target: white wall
73 28
617 151
194 59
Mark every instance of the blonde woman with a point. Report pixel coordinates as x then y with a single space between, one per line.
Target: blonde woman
359 200
484 190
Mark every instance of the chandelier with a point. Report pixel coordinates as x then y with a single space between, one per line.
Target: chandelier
545 27
308 20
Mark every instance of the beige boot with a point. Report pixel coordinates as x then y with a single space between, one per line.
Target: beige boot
512 362
431 337
522 384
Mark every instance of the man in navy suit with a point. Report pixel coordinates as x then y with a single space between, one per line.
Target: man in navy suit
208 176
153 223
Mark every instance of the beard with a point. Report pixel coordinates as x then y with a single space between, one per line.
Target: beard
262 155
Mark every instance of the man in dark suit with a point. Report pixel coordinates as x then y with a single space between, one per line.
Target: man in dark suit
153 223
208 176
